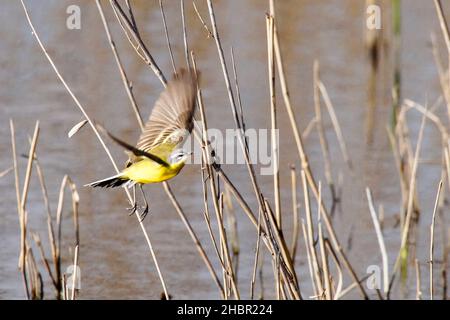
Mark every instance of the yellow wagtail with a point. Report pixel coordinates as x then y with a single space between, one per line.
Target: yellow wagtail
158 155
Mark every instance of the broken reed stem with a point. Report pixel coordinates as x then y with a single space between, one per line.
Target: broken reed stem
273 114
80 107
322 137
380 239
433 220
335 122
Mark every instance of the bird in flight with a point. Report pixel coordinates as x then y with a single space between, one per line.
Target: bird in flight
158 155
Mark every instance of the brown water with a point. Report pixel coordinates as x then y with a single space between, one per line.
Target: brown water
114 258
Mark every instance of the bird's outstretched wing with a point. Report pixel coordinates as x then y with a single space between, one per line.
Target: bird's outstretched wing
171 120
135 151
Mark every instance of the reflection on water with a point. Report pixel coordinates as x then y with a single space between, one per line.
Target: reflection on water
114 258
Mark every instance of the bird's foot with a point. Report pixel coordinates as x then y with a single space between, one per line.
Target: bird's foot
133 209
143 214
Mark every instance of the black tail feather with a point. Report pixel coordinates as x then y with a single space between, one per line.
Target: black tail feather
109 183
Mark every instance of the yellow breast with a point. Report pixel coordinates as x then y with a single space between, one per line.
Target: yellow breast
148 171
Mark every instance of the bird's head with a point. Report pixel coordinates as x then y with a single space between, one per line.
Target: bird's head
179 156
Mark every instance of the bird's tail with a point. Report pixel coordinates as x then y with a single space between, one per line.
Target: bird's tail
111 182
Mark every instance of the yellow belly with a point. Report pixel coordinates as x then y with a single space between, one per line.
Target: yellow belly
148 171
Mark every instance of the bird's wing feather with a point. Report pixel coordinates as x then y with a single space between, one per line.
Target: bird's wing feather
135 151
171 120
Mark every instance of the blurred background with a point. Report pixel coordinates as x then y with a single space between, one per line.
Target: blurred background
114 258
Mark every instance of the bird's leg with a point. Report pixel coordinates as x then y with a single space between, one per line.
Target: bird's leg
143 214
134 204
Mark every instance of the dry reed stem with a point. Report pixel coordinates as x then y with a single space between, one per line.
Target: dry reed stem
6 171
308 255
323 254
433 220
380 239
185 41
335 122
50 229
81 108
443 75
411 191
310 235
412 185
255 264
338 289
288 272
444 25
166 32
295 217
431 116
270 24
65 294
75 272
23 211
16 171
37 285
210 35
233 227
271 224
139 46
322 137
418 282
238 92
